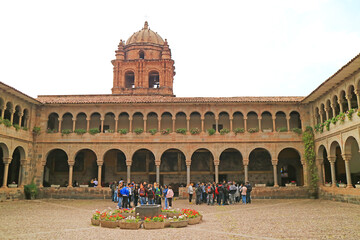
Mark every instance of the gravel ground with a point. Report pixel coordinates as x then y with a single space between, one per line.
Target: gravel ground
263 219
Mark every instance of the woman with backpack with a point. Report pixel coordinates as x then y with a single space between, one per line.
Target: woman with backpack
169 196
164 194
142 194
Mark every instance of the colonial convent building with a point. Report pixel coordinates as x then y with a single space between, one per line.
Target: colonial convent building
142 131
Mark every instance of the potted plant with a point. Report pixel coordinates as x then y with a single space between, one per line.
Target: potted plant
153 131
123 131
31 190
357 185
138 131
165 131
80 131
13 185
110 220
253 130
95 220
170 213
239 130
194 131
211 131
178 222
156 222
193 216
282 129
327 184
130 222
341 185
36 130
181 131
94 131
224 131
291 184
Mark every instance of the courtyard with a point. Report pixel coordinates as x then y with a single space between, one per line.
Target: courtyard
263 219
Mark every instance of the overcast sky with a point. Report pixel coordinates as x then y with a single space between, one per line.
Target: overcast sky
220 48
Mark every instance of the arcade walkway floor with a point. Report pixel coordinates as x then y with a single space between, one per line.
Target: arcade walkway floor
263 219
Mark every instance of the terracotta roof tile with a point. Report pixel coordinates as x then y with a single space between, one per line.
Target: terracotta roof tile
93 99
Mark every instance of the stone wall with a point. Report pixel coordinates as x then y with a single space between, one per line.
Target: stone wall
349 195
75 193
11 194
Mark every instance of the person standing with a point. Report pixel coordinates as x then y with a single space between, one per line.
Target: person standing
142 194
119 194
232 192
248 192
136 195
221 196
151 195
165 198
210 194
169 196
190 191
125 196
198 192
243 194
158 194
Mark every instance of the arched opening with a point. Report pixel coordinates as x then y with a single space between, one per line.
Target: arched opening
14 167
209 122
322 112
141 55
81 122
280 121
114 167
166 121
326 169
260 167
95 121
340 173
352 149
343 101
180 120
129 79
290 169
173 168
266 122
4 153
56 170
143 166
2 106
231 167
329 109
224 121
53 123
252 122
138 121
152 122
195 120
85 167
154 79
25 117
202 166
8 111
295 121
123 122
352 96
67 122
336 105
238 120
109 122
16 118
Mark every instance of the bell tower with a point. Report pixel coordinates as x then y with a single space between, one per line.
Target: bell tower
143 65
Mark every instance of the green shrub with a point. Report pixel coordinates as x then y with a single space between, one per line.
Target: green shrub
80 131
138 131
123 131
334 120
153 131
350 113
224 131
165 131
36 130
211 131
24 128
282 129
1 120
109 131
31 190
7 122
65 132
239 130
17 127
181 130
327 124
94 131
194 131
297 130
253 130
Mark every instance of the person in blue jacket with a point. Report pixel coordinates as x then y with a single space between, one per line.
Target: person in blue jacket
125 195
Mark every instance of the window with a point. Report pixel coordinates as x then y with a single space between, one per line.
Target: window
141 55
129 80
154 80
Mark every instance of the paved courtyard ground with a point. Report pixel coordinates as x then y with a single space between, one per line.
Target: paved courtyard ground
263 219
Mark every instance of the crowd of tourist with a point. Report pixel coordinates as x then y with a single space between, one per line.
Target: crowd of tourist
224 193
128 195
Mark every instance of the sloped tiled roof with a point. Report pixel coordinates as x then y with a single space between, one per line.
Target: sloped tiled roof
109 98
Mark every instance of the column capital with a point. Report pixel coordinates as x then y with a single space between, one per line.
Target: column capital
274 162
88 119
128 163
173 118
145 118
157 163
102 119
273 117
346 157
231 118
60 119
7 160
71 163
245 162
116 119
259 117
287 117
188 163
216 162
99 163
187 118
74 119
331 159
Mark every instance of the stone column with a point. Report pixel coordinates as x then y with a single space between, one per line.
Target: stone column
157 165
74 124
27 123
116 125
357 92
332 167
216 164
288 123
173 124
99 173
333 109
305 173
327 113
340 105
60 121
245 124
231 124
12 111
347 158
348 98
145 122
202 124
246 169
188 164
20 119
87 124
128 172
159 124
217 125
275 163
23 164
319 165
71 167
3 112
130 124
102 125
259 119
187 124
6 162
43 163
274 124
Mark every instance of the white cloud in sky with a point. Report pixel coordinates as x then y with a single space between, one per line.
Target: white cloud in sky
227 48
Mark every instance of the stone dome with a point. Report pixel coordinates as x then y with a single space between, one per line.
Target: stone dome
145 35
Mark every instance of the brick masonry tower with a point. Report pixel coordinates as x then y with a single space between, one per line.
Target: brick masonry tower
143 66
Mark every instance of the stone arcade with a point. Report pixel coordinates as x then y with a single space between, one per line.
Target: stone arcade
143 132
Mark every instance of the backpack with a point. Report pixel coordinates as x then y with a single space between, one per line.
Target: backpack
249 188
209 190
158 192
142 192
150 193
217 191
